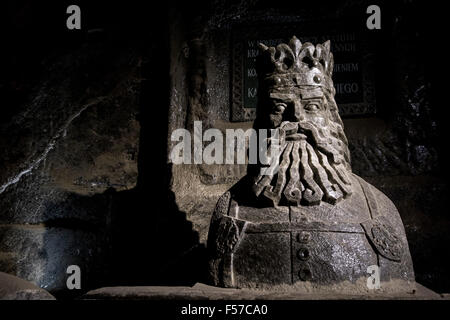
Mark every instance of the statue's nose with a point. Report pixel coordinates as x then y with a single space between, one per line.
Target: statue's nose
298 111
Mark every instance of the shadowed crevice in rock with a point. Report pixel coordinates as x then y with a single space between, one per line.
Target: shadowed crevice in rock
153 242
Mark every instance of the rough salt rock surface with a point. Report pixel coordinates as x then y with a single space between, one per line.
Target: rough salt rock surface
76 138
14 288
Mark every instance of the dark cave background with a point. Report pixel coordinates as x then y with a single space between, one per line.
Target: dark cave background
86 117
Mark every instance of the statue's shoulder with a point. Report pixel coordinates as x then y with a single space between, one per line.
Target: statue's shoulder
383 203
238 190
222 206
385 229
382 206
238 194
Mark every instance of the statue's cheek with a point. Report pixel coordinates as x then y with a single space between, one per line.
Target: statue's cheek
317 119
276 119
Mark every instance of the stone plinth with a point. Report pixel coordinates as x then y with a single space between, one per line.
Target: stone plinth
204 292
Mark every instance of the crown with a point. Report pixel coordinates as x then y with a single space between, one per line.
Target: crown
297 64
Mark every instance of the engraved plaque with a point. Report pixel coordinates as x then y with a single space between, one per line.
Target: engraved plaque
352 74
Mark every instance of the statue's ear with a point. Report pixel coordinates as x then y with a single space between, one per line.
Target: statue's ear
326 45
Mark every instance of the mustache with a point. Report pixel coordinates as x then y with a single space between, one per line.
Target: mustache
330 142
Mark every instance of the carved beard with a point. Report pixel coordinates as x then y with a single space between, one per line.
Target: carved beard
313 166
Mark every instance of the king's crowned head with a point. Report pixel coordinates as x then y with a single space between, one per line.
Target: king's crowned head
296 95
296 64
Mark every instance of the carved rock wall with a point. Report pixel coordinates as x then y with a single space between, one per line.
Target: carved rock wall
78 138
72 136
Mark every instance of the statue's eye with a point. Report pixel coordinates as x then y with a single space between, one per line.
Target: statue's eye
280 107
312 106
